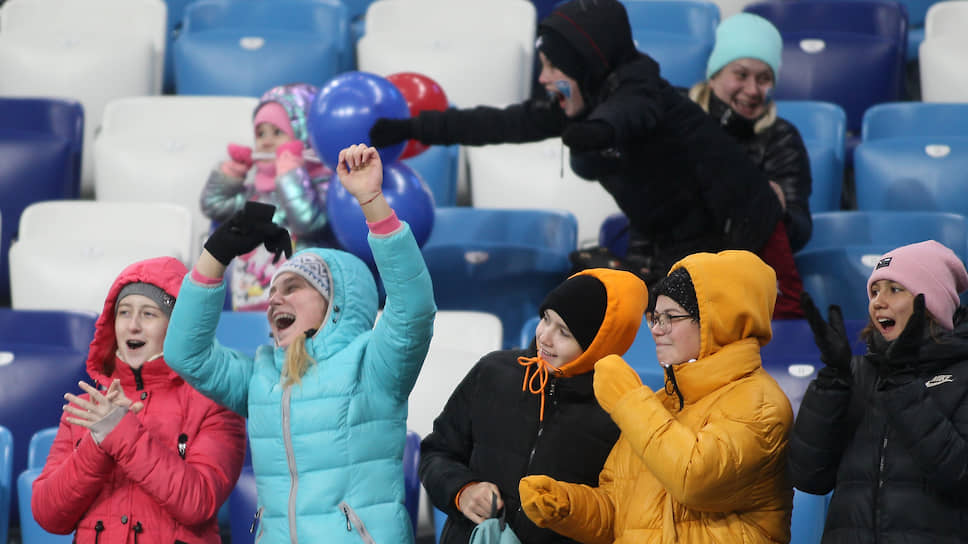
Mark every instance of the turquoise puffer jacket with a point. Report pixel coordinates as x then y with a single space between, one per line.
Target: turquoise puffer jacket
331 447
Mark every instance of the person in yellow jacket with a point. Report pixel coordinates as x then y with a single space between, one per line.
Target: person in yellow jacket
704 460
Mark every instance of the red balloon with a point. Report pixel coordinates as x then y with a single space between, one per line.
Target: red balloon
421 94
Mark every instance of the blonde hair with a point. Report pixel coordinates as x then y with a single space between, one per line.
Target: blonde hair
699 93
297 362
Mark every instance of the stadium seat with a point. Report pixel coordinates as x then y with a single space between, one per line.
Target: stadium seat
30 531
70 49
916 13
43 353
162 149
537 175
916 173
907 119
678 34
33 167
792 356
64 118
95 241
6 480
243 331
823 126
942 61
243 506
437 167
246 47
441 39
822 42
809 517
411 479
844 228
176 12
498 261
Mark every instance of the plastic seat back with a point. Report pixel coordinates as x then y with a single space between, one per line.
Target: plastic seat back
678 34
823 127
437 167
907 119
866 227
6 480
243 331
63 118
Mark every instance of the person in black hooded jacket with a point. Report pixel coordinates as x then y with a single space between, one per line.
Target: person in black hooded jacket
888 431
685 185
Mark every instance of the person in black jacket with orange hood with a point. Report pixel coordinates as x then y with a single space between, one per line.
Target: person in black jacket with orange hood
685 185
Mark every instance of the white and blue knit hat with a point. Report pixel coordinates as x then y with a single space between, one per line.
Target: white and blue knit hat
312 268
743 36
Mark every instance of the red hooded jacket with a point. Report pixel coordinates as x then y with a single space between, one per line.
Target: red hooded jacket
161 474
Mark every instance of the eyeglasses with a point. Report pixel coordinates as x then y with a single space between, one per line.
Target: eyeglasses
663 320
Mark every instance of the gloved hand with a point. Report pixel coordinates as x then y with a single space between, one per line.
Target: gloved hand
830 337
899 363
390 131
289 156
543 499
240 160
249 228
614 378
586 136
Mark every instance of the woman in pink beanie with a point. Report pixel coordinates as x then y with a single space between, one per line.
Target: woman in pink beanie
888 431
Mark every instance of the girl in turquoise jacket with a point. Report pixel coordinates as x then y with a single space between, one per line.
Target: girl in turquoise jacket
327 402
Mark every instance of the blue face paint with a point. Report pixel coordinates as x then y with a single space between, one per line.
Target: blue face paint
564 88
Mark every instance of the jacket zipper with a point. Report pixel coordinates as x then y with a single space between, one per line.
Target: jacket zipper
879 484
291 461
352 520
551 394
98 527
138 529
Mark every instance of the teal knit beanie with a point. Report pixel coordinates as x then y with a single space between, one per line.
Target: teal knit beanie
745 35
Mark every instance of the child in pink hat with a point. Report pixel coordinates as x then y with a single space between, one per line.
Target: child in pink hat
888 431
282 170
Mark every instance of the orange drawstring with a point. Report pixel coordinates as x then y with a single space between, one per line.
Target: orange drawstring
541 373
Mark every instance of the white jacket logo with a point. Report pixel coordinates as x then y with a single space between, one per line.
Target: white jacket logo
938 380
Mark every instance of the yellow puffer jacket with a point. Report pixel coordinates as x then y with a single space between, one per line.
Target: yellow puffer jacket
712 471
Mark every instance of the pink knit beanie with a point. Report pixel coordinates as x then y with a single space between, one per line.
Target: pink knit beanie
926 267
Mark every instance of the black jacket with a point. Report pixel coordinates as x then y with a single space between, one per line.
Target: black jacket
779 151
894 454
684 183
489 431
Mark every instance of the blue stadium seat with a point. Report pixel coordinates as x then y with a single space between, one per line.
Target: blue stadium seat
916 173
839 229
243 503
246 47
678 34
903 120
640 356
30 531
59 117
6 480
440 518
614 234
499 261
43 353
809 517
243 331
437 167
33 166
823 127
792 356
176 12
822 45
411 479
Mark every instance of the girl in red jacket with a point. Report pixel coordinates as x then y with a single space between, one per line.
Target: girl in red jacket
140 456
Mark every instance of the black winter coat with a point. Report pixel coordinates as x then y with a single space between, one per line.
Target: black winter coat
780 152
894 454
684 184
489 431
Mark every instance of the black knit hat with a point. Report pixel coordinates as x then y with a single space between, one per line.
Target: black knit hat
581 302
561 54
678 286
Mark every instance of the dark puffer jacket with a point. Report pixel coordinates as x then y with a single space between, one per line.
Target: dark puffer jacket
894 454
684 184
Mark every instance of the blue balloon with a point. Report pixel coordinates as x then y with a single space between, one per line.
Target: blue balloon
345 109
406 193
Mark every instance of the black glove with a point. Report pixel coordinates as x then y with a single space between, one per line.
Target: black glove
249 228
830 336
390 131
900 361
588 136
